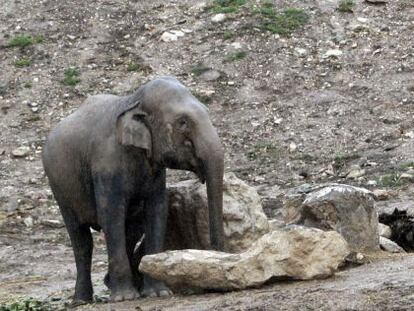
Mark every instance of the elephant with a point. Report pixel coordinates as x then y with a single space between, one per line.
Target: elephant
106 165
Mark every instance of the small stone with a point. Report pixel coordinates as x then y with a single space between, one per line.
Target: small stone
210 75
236 45
406 176
382 195
35 109
21 152
53 223
127 36
171 35
355 173
230 83
390 246
2 151
372 183
292 147
384 230
333 53
28 221
362 19
301 52
71 37
277 120
218 18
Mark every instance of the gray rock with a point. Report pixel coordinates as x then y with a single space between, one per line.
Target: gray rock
384 231
210 75
295 252
218 18
348 210
21 152
390 246
244 219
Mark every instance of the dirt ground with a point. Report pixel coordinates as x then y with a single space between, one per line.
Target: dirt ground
333 101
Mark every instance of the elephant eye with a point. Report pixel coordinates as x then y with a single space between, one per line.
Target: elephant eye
182 124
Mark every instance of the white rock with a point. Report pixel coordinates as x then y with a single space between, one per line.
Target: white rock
384 231
333 52
348 210
295 252
292 147
356 173
372 182
390 246
301 52
28 221
171 35
218 18
236 45
21 152
188 225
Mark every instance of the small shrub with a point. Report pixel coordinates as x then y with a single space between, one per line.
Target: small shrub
346 6
340 160
283 23
71 76
390 180
21 41
226 6
23 62
227 35
133 67
236 56
24 40
28 84
27 304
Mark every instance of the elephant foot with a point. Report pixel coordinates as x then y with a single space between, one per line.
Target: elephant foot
157 289
129 293
78 302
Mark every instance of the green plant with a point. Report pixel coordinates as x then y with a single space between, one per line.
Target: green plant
23 62
236 56
24 40
346 6
227 35
390 180
199 69
283 23
133 67
27 304
71 76
28 84
226 6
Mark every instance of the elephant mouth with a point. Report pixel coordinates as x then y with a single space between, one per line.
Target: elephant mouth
197 167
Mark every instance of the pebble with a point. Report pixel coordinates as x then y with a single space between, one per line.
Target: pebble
28 221
301 52
230 83
218 18
236 45
171 35
292 147
355 173
333 52
21 152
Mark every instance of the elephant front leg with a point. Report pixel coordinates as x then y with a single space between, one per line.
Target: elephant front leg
156 212
111 215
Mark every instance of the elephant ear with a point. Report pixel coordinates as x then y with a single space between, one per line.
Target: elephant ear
132 130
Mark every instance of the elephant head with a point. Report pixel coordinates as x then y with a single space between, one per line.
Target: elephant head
173 128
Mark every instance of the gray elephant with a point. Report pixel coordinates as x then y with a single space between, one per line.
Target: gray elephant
106 166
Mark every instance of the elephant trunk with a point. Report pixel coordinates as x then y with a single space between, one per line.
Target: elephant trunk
212 157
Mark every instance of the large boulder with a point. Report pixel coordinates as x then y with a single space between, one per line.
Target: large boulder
346 209
244 219
292 252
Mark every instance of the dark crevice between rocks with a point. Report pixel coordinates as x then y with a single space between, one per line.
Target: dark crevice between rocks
402 227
